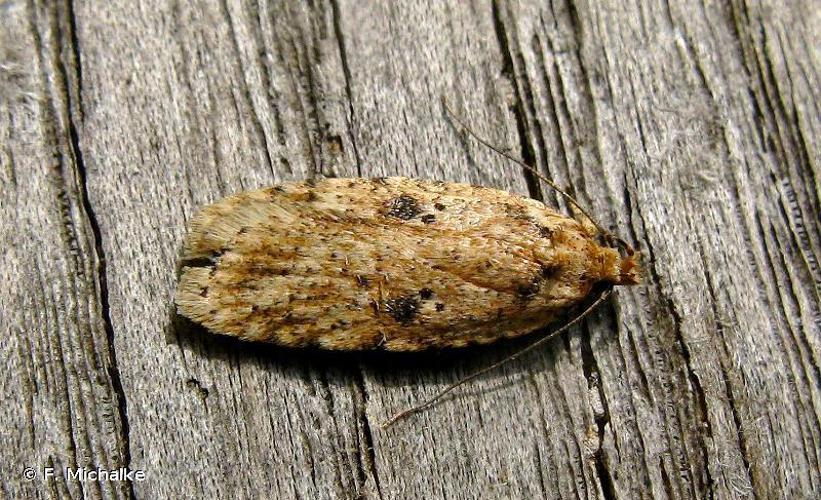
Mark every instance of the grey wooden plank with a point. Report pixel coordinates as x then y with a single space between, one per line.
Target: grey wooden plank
691 128
60 388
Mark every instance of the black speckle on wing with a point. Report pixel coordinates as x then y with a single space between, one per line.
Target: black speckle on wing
527 291
403 309
403 207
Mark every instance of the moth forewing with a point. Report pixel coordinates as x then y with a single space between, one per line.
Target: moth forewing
392 263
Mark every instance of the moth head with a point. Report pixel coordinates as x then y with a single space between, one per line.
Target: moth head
602 260
630 270
626 268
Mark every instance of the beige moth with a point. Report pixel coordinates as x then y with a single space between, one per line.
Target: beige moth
391 263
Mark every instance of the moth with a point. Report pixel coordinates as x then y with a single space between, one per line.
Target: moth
392 263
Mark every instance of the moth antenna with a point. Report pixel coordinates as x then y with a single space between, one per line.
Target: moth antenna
608 236
430 402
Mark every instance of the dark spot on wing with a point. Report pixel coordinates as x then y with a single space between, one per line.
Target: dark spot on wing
363 281
440 307
544 232
550 271
311 196
403 309
429 218
426 293
403 207
438 206
527 291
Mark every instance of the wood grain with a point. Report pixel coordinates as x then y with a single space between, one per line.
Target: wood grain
690 128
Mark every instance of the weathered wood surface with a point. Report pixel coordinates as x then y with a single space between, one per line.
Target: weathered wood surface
691 127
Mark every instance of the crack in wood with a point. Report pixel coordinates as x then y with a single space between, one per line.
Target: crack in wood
367 454
527 150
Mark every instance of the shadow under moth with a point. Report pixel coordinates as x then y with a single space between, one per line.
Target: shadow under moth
391 263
